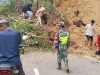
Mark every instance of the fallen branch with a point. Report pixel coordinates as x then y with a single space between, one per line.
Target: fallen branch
17 19
32 35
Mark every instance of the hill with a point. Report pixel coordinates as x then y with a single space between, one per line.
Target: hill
89 9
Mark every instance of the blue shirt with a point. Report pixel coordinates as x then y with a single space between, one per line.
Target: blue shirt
9 47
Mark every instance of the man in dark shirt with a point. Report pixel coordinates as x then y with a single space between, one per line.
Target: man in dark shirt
10 40
28 10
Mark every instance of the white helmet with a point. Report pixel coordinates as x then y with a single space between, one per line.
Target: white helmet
42 8
4 20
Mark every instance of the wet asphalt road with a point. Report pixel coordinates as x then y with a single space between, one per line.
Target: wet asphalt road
38 63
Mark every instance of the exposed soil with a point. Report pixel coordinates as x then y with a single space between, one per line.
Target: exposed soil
89 9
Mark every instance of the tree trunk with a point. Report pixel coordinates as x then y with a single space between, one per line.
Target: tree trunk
37 4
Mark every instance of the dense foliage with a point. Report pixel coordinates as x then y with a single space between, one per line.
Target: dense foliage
6 9
25 27
33 41
22 26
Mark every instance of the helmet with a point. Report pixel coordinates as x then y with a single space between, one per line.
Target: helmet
3 21
42 8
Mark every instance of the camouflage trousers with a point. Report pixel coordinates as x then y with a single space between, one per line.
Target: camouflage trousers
62 55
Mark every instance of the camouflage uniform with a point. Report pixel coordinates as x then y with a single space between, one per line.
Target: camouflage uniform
62 49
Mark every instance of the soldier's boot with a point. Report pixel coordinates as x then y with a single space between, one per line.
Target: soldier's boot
59 66
66 67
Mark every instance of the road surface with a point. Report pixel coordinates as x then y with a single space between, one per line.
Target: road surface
38 63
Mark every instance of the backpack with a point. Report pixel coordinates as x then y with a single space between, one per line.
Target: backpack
63 37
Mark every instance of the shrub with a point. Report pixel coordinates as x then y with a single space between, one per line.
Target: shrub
22 26
8 8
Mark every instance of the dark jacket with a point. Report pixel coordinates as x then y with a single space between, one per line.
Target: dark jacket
26 8
9 47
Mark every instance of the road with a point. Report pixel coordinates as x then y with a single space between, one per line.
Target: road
38 63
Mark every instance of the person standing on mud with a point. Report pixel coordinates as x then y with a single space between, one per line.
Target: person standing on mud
77 19
61 44
89 33
39 14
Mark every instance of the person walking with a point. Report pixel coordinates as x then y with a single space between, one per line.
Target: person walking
10 40
39 14
61 44
89 33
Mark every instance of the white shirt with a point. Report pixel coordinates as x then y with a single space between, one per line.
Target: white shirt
89 29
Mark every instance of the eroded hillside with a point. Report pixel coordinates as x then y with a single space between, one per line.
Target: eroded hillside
89 9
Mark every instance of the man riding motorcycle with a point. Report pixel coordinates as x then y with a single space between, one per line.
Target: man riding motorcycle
10 40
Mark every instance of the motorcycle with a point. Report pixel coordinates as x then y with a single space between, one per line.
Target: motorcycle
6 69
23 46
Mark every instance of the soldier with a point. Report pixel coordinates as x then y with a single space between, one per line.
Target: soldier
61 43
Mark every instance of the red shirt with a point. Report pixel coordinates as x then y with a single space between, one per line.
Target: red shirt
56 37
98 40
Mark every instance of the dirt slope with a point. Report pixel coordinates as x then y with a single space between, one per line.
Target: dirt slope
89 9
